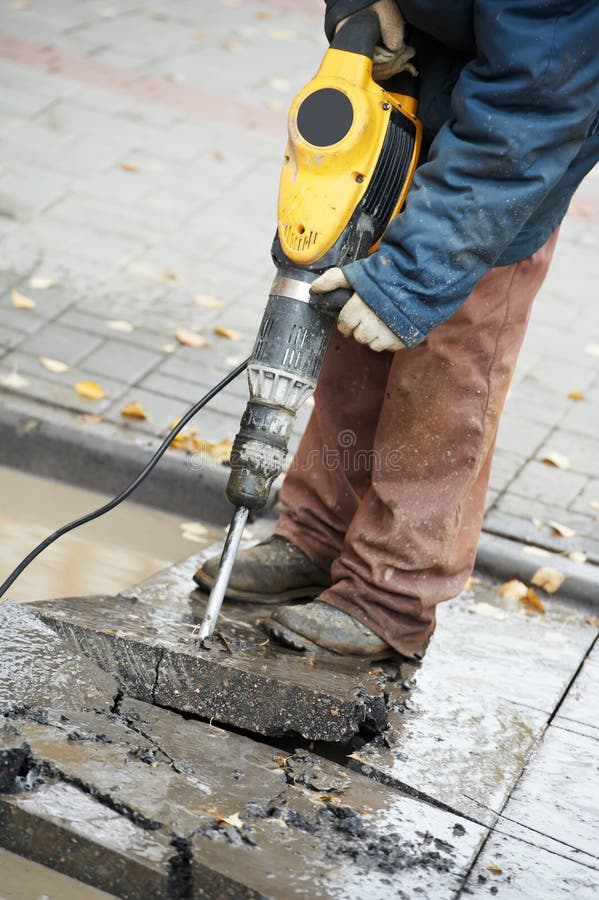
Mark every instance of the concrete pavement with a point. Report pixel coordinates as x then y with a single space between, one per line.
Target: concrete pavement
139 161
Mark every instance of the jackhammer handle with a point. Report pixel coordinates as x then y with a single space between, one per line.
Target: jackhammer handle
333 301
360 34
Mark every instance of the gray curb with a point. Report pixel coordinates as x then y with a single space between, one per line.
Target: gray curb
105 458
507 559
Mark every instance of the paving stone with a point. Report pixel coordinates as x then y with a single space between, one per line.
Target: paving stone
589 495
520 434
96 324
544 482
506 465
122 360
9 338
41 881
543 535
39 670
18 320
578 711
518 869
62 827
582 451
180 779
58 388
62 343
273 692
582 418
464 748
161 411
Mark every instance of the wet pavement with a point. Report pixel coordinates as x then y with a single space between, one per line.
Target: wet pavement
483 780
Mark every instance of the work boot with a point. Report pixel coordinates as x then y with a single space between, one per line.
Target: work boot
318 624
273 571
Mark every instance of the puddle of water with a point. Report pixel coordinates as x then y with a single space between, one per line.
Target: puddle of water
23 879
115 552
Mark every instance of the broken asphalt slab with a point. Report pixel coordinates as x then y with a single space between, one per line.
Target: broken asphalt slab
240 679
144 803
38 669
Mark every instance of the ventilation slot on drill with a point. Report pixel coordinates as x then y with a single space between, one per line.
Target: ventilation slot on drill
298 240
391 172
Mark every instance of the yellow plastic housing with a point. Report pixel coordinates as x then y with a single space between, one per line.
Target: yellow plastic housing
321 187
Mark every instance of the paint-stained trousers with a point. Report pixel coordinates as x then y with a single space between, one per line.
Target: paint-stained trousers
387 488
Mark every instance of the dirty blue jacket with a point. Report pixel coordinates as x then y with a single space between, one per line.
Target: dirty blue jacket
509 96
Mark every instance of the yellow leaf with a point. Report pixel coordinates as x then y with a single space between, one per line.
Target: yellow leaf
20 301
218 155
119 325
281 34
198 35
233 820
207 302
278 84
493 867
41 282
90 390
558 460
134 410
562 530
130 167
228 333
576 395
531 599
220 451
468 583
190 338
594 504
577 556
549 579
230 46
592 349
514 589
53 365
175 77
487 609
14 380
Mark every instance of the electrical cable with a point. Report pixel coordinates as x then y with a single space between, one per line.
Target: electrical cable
83 520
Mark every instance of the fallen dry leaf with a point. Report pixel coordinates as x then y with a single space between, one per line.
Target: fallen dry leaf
193 531
553 458
576 395
514 589
531 599
278 84
198 35
281 34
134 410
168 348
90 390
493 867
538 523
20 301
233 820
207 302
592 349
488 610
41 282
175 77
230 46
594 504
562 530
263 14
219 451
53 365
274 105
218 155
119 325
14 380
228 333
577 556
533 550
190 338
549 579
130 166
468 583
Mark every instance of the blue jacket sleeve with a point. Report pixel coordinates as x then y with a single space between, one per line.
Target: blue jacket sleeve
520 113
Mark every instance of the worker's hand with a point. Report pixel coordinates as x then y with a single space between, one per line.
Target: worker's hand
356 318
393 55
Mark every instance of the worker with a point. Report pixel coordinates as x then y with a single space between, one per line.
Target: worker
384 501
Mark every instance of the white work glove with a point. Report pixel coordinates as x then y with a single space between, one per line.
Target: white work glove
356 318
394 55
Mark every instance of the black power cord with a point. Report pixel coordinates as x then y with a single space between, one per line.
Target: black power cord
131 487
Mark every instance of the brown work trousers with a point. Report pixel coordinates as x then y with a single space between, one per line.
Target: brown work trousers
388 485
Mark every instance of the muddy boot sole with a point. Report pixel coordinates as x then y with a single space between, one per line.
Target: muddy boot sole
301 593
